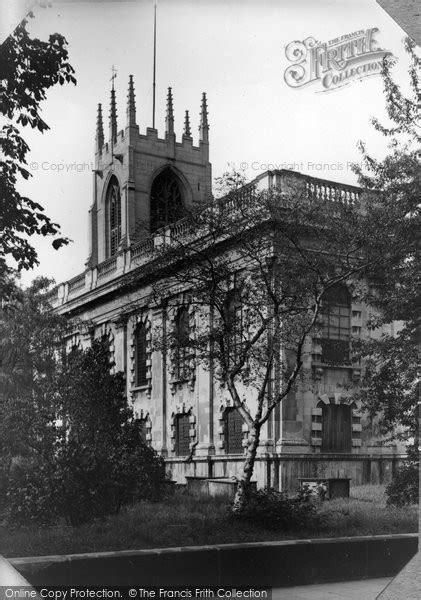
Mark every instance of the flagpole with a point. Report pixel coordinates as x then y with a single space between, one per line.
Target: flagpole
154 67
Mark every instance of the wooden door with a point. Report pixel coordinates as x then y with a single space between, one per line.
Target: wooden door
336 428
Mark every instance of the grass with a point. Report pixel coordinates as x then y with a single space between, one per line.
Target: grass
369 493
184 520
366 513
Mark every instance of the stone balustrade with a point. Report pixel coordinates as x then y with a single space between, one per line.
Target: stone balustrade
144 251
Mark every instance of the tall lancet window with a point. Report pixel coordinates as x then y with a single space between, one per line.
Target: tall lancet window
336 325
141 370
166 200
113 207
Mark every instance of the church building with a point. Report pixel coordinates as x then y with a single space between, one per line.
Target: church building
143 185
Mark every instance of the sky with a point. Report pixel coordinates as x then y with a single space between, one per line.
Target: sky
235 51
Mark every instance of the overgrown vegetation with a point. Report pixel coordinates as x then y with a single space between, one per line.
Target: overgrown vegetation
404 487
277 511
70 445
389 387
187 521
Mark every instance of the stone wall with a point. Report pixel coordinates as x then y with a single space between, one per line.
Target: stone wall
282 471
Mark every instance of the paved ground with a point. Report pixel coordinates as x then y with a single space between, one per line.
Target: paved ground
368 589
407 584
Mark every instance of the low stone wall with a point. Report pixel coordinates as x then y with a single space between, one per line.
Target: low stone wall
215 488
267 564
283 471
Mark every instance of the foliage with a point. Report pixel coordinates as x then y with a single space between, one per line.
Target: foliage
91 460
28 68
69 442
404 487
389 386
185 520
278 512
229 182
29 338
403 111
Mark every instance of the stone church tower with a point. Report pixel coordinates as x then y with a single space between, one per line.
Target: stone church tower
143 182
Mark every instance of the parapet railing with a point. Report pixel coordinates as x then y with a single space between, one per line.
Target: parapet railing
144 251
76 283
107 267
332 192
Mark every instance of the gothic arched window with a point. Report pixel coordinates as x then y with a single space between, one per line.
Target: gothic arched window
166 203
113 207
140 355
336 325
182 331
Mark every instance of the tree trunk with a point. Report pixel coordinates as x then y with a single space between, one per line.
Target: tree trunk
243 487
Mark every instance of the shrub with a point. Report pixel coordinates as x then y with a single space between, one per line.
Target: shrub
91 461
30 495
278 512
404 487
82 483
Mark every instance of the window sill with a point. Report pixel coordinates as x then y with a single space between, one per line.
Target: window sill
140 388
325 365
178 381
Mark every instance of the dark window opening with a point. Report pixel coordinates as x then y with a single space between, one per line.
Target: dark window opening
106 343
113 206
166 205
143 429
182 331
182 435
233 431
141 355
336 325
233 326
336 428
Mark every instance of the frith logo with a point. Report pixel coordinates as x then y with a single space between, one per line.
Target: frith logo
335 63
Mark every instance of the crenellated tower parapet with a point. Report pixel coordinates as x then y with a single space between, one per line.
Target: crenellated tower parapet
130 162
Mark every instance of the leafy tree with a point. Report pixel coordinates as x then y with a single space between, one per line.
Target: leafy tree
69 441
28 68
29 332
390 382
256 269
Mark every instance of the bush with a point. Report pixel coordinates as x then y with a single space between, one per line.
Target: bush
92 461
30 495
276 511
82 484
404 487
